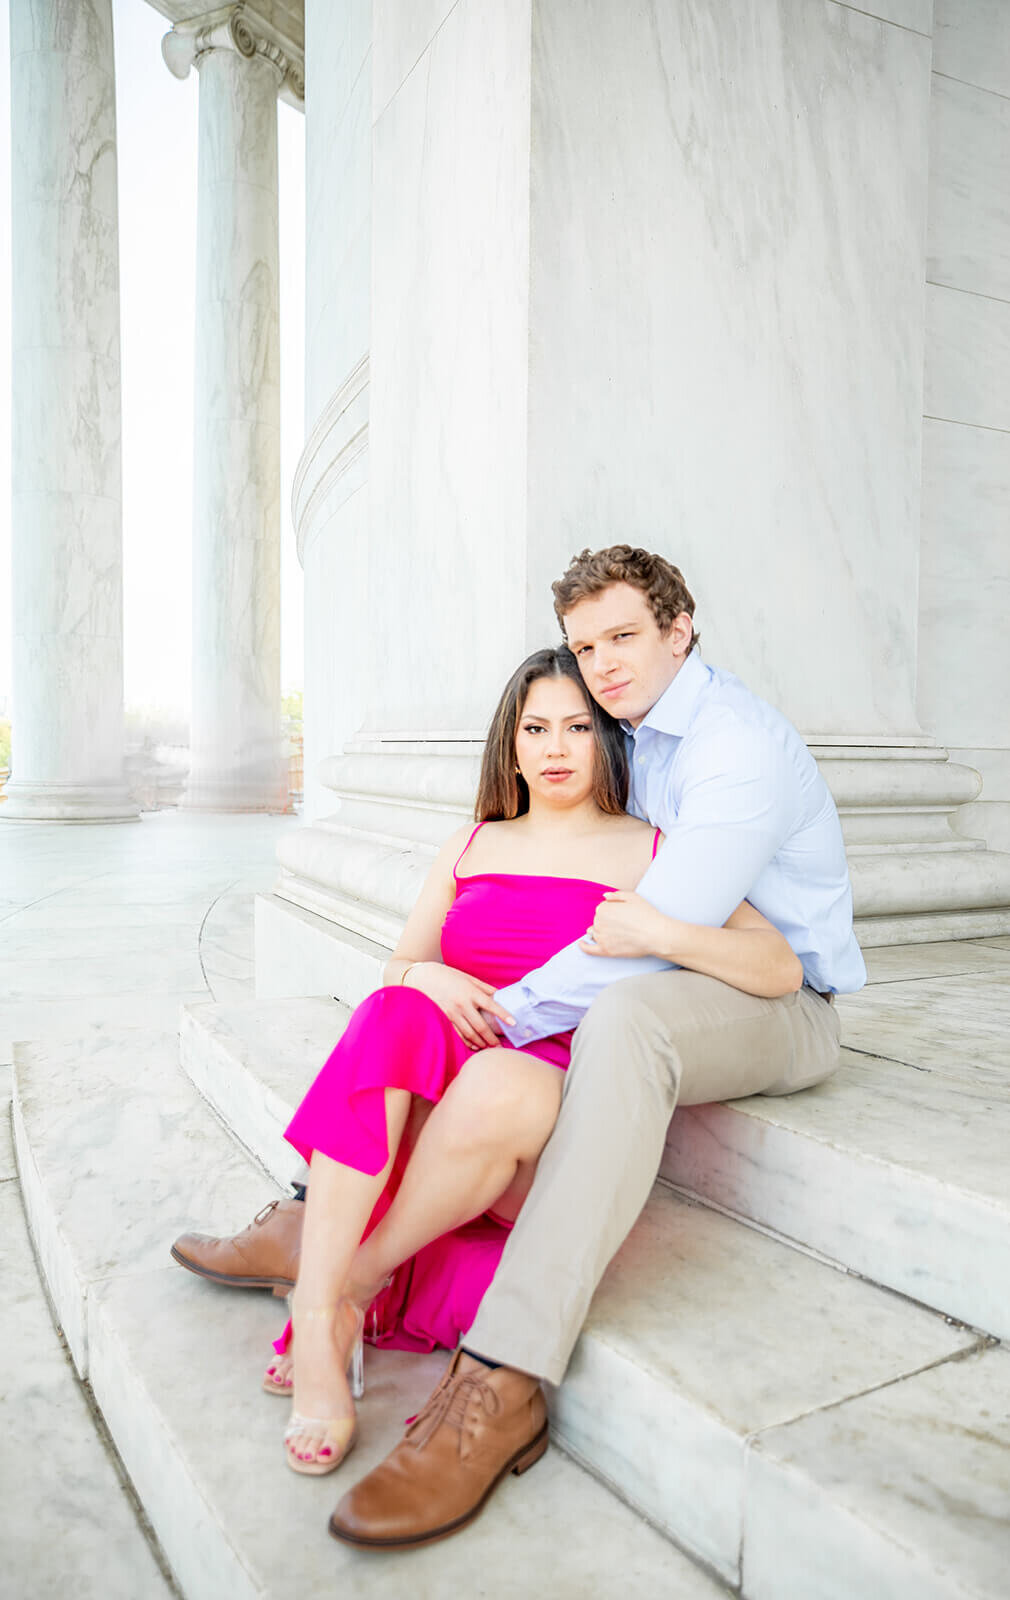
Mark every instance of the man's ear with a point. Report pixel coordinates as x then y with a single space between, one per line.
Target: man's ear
680 635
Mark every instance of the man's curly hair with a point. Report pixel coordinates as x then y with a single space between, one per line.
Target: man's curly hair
592 571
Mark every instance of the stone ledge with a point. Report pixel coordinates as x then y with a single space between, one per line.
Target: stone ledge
894 1167
175 1365
671 1434
903 1491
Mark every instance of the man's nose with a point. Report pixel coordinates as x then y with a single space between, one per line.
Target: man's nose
604 662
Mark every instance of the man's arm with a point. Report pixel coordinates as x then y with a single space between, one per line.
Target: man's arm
738 806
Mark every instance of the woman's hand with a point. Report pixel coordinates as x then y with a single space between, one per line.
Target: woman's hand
468 1002
626 925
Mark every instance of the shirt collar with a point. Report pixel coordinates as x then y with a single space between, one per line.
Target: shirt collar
674 709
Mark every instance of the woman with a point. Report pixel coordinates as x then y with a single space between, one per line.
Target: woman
552 842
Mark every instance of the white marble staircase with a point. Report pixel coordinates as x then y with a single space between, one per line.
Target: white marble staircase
800 1430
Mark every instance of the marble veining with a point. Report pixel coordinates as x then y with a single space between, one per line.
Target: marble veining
901 1492
774 241
236 755
66 476
67 1526
968 242
662 1344
235 1490
971 41
967 358
964 585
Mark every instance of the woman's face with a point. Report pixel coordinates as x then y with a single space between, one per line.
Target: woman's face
555 743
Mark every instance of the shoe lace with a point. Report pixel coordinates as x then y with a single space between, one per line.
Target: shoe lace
449 1404
261 1216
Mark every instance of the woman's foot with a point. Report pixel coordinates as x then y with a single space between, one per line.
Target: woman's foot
279 1375
323 1425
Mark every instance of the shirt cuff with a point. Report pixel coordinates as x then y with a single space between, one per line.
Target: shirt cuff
534 1019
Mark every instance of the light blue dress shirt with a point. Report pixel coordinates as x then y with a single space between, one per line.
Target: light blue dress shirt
747 816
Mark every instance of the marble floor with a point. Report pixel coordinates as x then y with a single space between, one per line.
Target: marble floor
106 924
122 925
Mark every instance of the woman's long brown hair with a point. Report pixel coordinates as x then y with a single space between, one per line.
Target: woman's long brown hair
502 792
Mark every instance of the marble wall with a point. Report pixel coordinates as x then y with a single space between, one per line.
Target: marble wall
649 273
964 645
449 359
726 329
330 499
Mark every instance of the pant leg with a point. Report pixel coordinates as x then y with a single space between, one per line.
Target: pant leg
644 1045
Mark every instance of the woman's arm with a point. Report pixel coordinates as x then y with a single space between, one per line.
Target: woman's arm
748 952
417 960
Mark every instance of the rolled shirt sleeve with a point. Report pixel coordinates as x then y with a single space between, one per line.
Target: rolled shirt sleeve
736 803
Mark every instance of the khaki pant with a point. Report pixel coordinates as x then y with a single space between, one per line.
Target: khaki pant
645 1045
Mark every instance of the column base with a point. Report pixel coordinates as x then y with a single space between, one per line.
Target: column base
72 802
235 794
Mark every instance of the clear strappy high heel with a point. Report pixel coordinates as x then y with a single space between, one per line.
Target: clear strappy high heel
339 1434
370 1331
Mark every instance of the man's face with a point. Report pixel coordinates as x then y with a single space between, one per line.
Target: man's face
624 659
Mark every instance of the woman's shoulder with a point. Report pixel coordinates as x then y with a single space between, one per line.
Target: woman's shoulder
632 829
629 846
456 843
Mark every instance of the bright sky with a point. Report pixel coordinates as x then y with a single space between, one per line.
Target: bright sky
157 139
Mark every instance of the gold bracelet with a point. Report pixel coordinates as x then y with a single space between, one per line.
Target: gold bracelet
408 968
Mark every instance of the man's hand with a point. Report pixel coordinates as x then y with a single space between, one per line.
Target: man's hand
627 925
467 1002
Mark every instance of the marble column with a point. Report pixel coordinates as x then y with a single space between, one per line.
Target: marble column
235 742
67 498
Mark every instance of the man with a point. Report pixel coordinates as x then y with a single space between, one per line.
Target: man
746 815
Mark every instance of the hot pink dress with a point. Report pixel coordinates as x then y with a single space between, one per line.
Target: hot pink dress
499 927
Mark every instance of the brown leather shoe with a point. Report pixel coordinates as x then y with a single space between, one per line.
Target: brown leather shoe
478 1426
263 1256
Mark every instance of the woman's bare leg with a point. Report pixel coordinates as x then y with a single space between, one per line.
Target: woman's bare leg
338 1205
479 1144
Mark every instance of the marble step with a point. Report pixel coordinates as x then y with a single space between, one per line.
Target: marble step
117 1152
66 1524
897 1166
646 1404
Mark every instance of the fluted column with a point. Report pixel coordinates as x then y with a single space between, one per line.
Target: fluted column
236 752
67 757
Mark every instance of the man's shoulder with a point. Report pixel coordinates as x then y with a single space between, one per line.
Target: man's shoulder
727 703
733 726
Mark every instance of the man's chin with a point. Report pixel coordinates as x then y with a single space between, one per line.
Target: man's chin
623 707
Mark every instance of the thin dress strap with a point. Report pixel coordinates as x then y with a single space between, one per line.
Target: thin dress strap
655 842
473 834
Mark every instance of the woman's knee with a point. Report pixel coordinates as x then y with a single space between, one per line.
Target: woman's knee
497 1094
